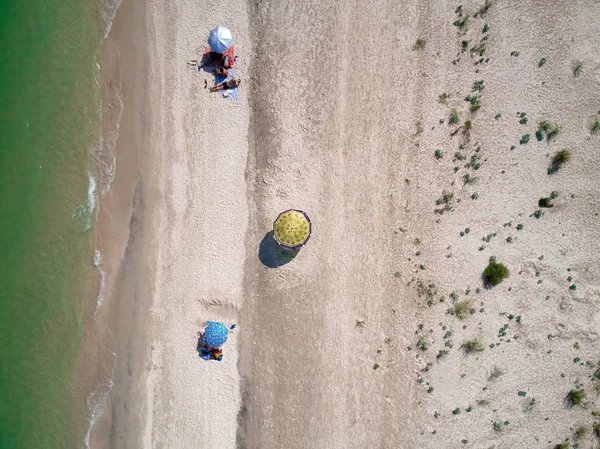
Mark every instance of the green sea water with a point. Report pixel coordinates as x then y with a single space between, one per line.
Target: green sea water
49 115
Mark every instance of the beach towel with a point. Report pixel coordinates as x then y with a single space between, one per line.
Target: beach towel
229 54
230 94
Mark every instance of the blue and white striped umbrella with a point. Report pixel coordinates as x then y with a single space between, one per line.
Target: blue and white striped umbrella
220 39
215 334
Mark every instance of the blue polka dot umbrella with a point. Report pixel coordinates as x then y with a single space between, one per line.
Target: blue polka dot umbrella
215 334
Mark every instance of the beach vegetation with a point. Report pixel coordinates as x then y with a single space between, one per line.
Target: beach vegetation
550 130
538 214
422 344
483 9
469 179
525 139
485 28
596 429
479 48
462 22
495 273
561 446
471 346
559 159
595 127
539 135
576 397
529 405
443 98
577 68
442 353
542 62
454 117
462 309
419 44
475 101
495 374
545 202
581 432
438 154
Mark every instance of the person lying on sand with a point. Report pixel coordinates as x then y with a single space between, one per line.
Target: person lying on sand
229 84
222 71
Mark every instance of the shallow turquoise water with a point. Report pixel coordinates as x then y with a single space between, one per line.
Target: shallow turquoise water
49 114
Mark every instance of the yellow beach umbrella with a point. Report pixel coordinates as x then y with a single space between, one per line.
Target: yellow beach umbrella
292 229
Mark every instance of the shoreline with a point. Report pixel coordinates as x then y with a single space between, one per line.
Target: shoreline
116 164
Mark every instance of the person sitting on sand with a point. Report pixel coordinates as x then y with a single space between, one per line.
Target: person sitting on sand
221 71
206 351
229 84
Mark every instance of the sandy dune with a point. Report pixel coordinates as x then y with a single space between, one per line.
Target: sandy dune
340 117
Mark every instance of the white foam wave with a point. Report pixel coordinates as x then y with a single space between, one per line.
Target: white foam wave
96 400
109 13
83 213
97 264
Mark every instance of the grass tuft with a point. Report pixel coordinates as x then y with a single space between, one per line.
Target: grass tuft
581 432
595 127
545 202
443 98
495 374
454 117
419 44
577 68
559 159
471 346
576 397
462 309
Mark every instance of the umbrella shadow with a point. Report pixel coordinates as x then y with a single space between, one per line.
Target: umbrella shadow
271 254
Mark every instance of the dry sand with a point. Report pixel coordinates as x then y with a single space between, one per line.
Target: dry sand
339 117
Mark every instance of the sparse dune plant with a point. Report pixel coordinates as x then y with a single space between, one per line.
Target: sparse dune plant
576 397
559 159
472 345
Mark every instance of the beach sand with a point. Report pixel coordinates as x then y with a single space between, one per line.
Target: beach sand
340 117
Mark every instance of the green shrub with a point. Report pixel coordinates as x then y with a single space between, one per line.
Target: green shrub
596 127
545 202
495 273
577 68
